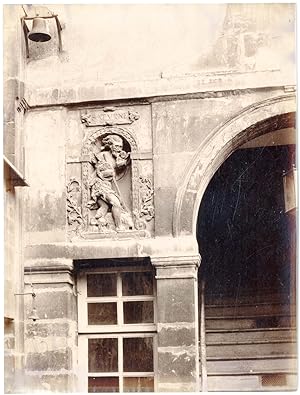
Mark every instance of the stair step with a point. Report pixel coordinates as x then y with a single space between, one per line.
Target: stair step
263 350
248 298
249 310
250 336
252 382
252 366
248 323
238 330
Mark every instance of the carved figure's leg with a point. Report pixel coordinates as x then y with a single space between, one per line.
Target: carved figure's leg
116 210
102 210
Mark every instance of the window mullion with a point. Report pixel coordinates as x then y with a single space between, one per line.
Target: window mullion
119 301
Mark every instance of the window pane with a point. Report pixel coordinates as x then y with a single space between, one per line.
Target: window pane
138 384
139 283
101 285
103 384
138 312
102 313
138 354
103 355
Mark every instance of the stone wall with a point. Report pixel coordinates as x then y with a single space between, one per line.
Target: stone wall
51 340
132 43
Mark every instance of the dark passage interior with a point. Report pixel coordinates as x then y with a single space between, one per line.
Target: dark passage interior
243 232
245 240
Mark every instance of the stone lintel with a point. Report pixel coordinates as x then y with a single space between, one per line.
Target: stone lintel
165 246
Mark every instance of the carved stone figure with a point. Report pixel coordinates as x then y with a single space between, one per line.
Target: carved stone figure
109 164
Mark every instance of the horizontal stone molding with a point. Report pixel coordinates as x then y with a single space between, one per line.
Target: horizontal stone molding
44 271
105 249
175 261
48 265
157 87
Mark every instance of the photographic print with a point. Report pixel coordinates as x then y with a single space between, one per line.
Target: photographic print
149 197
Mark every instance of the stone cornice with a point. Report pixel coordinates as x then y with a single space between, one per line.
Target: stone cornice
176 261
40 265
156 88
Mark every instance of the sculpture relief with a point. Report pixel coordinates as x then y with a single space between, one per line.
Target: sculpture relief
109 166
74 214
116 193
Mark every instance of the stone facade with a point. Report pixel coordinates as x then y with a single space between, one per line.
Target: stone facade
117 166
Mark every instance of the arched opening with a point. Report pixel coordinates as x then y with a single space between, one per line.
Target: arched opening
256 120
246 237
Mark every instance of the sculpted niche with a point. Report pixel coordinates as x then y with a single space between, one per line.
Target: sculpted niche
116 191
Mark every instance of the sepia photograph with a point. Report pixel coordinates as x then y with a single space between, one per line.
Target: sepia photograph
150 197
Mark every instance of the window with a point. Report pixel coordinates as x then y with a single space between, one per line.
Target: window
117 330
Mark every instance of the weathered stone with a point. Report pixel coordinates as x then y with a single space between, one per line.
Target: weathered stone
175 335
9 342
163 199
180 362
176 300
49 360
176 386
9 142
49 213
39 329
10 92
56 382
62 305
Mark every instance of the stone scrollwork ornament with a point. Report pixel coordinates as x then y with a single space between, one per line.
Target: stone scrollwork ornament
146 190
74 213
146 212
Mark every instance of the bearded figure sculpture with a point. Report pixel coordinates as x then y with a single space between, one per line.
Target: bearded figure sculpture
110 164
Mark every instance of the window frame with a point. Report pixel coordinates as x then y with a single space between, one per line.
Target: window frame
119 330
119 299
84 374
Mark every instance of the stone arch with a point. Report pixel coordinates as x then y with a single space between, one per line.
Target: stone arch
275 113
